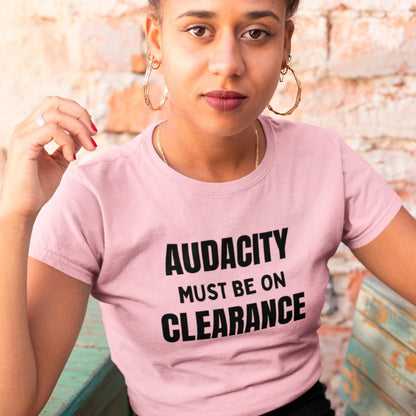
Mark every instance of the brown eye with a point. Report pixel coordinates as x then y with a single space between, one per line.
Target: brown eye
199 31
256 34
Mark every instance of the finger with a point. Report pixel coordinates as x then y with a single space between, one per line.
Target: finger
36 140
69 107
73 126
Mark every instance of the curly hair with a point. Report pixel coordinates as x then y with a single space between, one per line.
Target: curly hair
292 6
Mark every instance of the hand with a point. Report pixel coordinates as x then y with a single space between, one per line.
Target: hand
32 174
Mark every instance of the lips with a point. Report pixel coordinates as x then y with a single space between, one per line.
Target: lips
224 101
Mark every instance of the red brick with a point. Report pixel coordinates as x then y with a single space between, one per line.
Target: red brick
354 108
138 64
104 45
380 5
362 5
370 47
310 44
128 111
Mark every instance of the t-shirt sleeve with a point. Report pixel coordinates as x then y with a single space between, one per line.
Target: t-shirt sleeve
68 233
370 203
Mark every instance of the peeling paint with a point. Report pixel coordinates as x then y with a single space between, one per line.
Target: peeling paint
410 361
357 362
353 387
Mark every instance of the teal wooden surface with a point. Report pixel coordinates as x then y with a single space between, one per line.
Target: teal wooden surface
379 375
90 385
350 412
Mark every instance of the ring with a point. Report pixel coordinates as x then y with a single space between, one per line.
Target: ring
40 120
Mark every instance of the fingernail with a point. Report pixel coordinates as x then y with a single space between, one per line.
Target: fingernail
75 156
93 127
93 142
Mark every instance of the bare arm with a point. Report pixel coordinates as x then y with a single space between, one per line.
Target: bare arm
41 309
392 255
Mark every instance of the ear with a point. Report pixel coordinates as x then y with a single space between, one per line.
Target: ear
154 36
290 28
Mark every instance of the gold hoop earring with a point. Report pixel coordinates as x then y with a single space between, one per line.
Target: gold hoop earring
283 72
153 63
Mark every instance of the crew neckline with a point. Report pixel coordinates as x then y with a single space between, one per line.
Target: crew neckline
236 185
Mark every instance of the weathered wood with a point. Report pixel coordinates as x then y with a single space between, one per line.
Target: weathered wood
379 375
90 385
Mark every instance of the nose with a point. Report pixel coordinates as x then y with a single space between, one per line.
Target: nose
227 56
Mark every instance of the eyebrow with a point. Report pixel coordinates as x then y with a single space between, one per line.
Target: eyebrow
204 14
260 14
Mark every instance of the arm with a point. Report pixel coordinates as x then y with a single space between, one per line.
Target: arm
38 334
41 309
392 255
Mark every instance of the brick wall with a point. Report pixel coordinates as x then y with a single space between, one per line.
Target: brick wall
356 60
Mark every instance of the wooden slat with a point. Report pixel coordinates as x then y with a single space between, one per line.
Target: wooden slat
379 375
363 396
386 349
383 307
377 286
383 375
350 412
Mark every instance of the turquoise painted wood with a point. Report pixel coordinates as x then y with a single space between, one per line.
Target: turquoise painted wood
379 374
90 385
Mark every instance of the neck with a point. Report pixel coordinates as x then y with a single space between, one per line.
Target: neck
210 157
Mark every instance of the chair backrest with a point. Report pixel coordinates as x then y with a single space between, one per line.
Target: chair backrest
379 374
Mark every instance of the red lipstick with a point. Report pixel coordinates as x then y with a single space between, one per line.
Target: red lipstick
224 101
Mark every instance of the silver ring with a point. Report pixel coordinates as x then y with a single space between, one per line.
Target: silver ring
40 120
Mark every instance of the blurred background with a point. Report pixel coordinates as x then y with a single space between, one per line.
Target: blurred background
356 60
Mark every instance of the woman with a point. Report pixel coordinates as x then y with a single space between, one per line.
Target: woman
205 239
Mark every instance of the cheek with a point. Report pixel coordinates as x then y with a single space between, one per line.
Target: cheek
182 72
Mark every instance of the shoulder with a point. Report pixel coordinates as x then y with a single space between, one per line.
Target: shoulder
111 166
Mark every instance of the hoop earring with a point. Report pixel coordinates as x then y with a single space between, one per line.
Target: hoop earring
283 72
153 63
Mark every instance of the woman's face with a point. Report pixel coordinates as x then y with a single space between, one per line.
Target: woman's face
220 59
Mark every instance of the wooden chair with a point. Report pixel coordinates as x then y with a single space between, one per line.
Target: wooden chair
90 385
379 374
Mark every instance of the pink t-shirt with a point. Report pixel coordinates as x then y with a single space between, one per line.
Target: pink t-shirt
211 293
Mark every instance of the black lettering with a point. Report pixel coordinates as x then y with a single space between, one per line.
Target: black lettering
298 305
284 318
173 262
227 254
222 286
195 256
219 326
279 280
201 297
268 312
186 293
244 242
248 284
213 294
238 288
236 315
185 328
210 255
281 241
252 318
168 321
266 245
267 282
256 254
201 325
